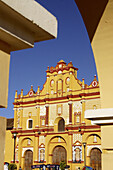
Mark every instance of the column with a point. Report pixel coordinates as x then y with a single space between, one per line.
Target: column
38 116
4 76
15 118
35 149
21 116
69 151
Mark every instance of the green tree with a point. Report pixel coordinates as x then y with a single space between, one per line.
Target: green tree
62 165
12 166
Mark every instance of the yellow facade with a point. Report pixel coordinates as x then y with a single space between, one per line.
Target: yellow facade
50 123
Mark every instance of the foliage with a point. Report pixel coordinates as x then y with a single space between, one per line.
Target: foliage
62 165
12 166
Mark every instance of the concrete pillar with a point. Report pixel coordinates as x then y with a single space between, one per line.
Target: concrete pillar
35 153
102 46
4 77
2 141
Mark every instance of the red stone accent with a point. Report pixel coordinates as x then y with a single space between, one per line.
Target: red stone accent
57 98
47 114
50 154
70 113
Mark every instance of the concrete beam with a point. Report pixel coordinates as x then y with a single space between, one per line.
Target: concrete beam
2 141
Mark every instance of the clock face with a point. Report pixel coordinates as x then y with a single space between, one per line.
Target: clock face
94 83
31 93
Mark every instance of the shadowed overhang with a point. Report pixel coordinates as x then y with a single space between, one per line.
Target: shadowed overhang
91 12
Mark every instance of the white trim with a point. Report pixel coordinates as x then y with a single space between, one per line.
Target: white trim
73 150
39 153
28 124
15 109
25 149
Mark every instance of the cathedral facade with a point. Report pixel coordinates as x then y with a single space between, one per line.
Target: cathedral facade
50 126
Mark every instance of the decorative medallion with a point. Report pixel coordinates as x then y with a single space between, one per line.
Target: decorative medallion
94 83
31 93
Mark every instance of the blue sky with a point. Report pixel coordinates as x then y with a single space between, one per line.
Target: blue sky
28 67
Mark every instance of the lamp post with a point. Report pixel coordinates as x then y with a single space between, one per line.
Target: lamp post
84 144
14 135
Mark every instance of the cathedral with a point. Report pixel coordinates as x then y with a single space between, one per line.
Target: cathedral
49 125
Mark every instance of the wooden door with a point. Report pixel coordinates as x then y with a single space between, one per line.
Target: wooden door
59 154
28 160
61 125
95 159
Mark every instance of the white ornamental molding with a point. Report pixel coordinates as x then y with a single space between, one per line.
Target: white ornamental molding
77 107
41 140
74 149
43 154
51 122
25 149
77 137
42 110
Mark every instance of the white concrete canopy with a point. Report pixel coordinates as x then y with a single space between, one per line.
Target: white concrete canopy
24 22
100 116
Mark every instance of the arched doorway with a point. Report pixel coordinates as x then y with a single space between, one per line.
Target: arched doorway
95 159
59 154
61 125
28 160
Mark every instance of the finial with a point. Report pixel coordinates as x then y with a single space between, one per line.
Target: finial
70 63
95 77
83 84
16 95
38 91
31 87
21 92
48 68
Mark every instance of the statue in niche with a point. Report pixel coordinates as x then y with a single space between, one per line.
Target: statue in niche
42 155
29 142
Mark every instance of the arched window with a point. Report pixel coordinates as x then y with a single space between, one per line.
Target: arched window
61 125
